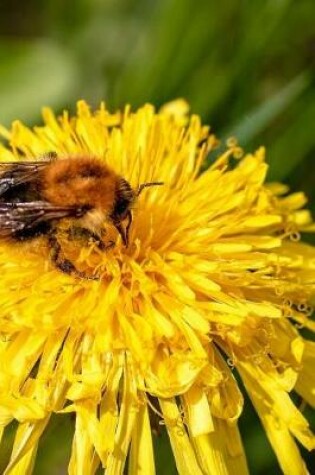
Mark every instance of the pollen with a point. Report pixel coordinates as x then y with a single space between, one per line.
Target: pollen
216 282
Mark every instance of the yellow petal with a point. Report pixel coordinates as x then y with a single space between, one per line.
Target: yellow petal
126 422
141 461
261 221
275 408
198 411
183 451
171 375
25 447
305 385
81 461
221 452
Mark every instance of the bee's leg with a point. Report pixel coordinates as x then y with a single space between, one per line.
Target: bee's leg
102 246
76 232
65 265
105 247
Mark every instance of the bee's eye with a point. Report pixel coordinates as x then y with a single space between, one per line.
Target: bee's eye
124 198
121 208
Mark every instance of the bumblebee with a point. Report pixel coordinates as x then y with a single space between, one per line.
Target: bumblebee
36 195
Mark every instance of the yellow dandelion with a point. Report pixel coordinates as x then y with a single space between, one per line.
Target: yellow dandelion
214 282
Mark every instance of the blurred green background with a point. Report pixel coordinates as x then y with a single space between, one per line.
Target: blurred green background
247 67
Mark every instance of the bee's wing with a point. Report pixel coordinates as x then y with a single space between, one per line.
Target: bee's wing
19 217
15 173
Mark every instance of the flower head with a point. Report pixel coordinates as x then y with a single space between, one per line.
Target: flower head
214 281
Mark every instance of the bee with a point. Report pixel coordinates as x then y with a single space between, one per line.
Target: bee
35 196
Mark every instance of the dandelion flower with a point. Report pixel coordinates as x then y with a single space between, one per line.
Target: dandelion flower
215 283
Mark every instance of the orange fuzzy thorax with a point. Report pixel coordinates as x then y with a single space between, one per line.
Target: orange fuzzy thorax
80 181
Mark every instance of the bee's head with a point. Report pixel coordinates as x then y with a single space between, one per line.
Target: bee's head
124 198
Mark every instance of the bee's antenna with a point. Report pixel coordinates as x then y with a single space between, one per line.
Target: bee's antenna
146 185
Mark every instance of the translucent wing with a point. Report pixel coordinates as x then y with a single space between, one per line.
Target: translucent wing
19 217
13 174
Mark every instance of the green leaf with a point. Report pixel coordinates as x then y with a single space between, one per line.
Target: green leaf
296 141
255 121
164 460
